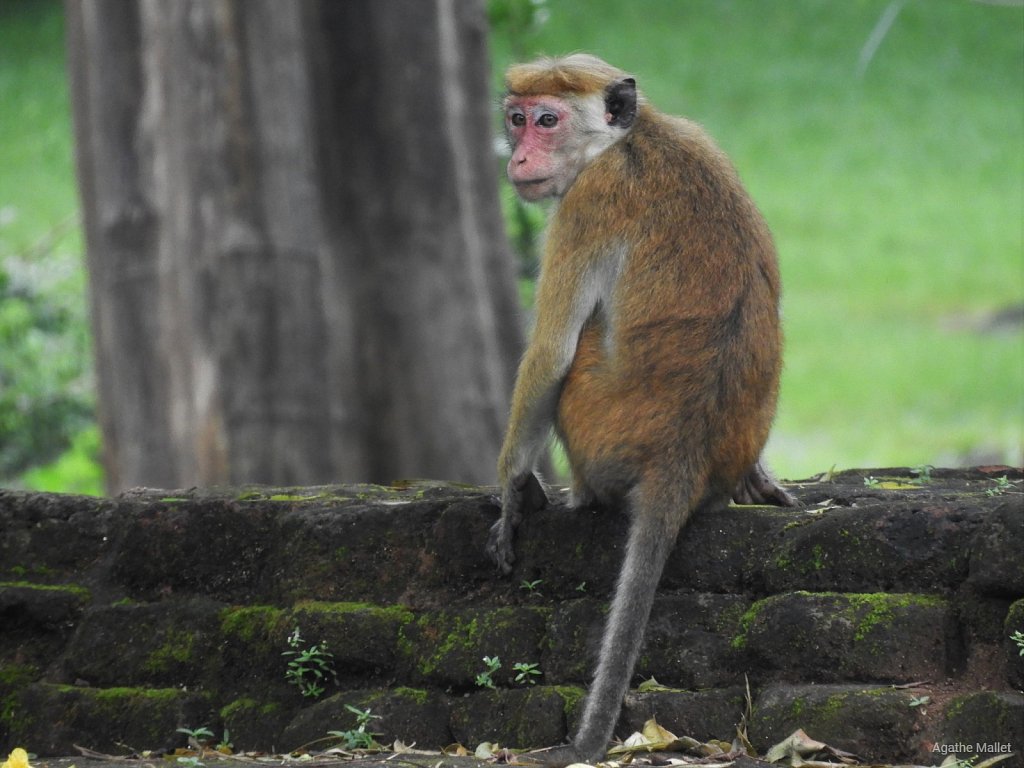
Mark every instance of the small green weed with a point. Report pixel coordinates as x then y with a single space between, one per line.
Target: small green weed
309 668
871 482
1018 638
526 674
225 743
1002 485
359 737
196 736
485 679
531 586
199 739
922 473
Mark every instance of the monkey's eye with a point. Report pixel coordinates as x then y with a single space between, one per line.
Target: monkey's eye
547 120
517 119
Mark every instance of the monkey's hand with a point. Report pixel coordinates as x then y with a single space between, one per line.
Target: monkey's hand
522 495
759 487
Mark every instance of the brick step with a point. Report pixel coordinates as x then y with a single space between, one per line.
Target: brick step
125 619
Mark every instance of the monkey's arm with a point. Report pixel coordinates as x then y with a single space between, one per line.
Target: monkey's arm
566 297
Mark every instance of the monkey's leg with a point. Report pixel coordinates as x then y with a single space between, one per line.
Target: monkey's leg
524 495
581 496
759 487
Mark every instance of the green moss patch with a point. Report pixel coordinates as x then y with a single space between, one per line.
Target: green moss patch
446 648
830 636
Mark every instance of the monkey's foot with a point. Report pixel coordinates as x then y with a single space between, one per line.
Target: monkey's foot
581 497
499 545
759 487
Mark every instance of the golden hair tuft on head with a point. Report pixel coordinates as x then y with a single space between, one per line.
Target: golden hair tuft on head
578 73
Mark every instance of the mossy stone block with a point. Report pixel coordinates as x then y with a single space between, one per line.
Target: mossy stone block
877 724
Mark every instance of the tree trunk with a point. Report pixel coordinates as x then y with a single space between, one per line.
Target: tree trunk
297 265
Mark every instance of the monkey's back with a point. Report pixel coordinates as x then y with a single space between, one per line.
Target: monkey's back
687 355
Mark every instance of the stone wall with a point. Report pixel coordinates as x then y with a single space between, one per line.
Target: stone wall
877 617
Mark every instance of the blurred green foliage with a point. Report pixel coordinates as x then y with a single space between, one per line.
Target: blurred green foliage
45 394
48 437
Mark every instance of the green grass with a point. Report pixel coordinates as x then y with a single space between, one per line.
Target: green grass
896 199
37 187
46 397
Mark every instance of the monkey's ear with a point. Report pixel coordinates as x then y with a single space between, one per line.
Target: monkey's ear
620 102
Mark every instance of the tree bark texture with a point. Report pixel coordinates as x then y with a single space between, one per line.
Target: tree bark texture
298 270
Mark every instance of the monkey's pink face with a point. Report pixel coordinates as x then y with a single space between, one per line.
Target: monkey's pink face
537 129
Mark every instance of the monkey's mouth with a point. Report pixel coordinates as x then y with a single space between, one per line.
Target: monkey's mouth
532 182
534 189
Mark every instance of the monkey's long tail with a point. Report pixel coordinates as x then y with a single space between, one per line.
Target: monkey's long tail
652 535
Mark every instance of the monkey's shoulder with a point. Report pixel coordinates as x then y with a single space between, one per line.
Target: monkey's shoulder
665 170
676 145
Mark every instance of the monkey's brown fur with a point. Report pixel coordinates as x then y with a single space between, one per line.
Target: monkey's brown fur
665 395
694 379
